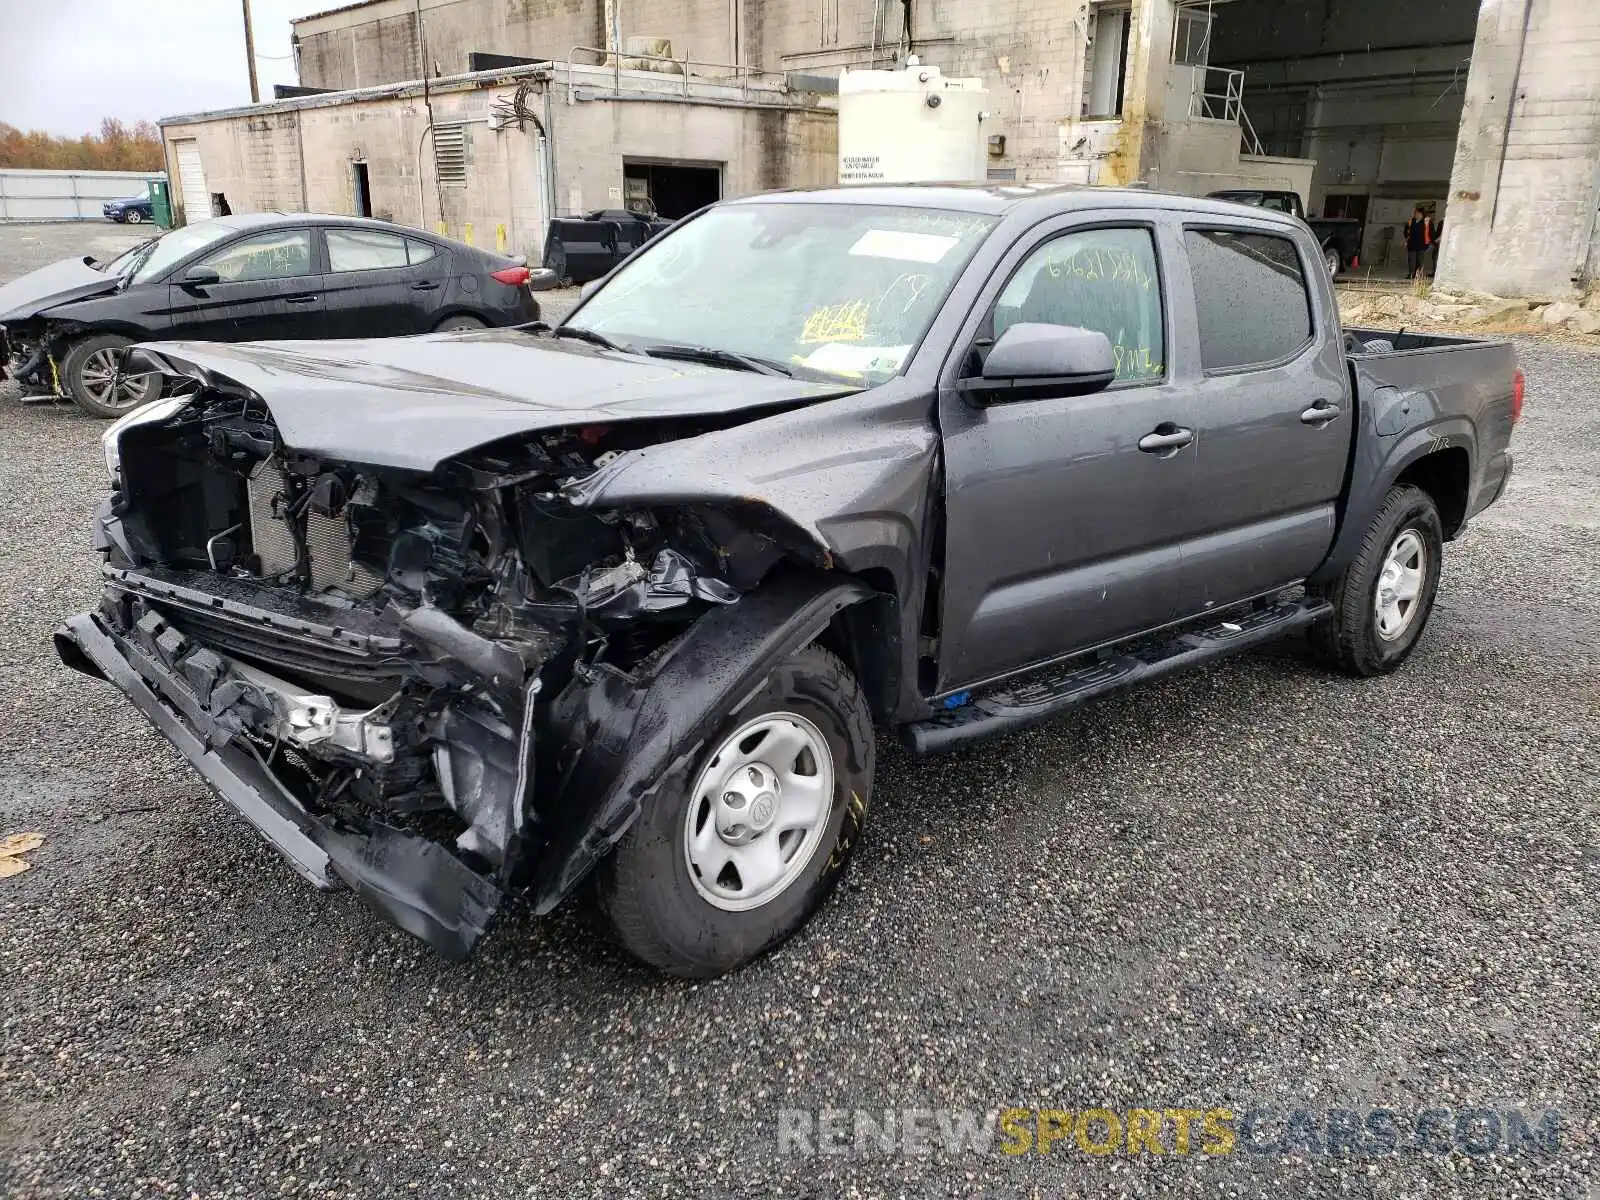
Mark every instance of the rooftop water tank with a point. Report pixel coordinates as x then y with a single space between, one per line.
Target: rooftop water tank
909 126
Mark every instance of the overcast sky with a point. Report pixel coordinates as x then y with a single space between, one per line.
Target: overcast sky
64 64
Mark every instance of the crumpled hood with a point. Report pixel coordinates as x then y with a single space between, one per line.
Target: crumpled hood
413 402
69 279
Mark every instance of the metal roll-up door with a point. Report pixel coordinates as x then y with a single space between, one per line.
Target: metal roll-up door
192 181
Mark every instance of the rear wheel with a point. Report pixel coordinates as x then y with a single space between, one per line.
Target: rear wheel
459 321
1330 257
1382 601
95 382
731 861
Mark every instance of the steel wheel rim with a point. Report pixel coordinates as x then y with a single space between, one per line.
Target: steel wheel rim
758 810
99 376
1400 579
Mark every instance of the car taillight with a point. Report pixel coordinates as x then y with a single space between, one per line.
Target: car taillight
1519 385
513 276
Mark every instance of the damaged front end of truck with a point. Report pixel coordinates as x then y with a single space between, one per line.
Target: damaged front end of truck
440 683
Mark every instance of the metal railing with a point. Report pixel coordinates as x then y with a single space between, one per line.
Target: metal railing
741 76
1217 94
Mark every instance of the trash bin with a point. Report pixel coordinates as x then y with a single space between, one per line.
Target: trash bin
161 203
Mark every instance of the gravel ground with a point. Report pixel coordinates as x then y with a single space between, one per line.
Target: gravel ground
1253 886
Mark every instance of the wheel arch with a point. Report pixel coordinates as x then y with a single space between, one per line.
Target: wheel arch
631 735
1382 462
463 310
1446 476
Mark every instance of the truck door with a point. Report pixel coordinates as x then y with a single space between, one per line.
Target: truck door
1062 530
1273 417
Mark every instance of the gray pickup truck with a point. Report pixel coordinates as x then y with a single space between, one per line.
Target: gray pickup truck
464 618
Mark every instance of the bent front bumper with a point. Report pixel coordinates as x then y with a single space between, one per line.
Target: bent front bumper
416 884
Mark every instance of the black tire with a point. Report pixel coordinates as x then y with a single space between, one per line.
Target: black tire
134 217
87 357
460 321
644 888
1333 260
1351 639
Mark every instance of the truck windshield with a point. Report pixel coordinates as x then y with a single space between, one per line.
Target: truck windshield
844 290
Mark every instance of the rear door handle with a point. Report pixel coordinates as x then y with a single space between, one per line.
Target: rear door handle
425 286
1320 413
1166 439
301 300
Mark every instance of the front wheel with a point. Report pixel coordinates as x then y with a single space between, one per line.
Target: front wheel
1384 598
135 217
94 379
729 862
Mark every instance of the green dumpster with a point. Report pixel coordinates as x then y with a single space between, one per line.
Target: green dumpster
161 203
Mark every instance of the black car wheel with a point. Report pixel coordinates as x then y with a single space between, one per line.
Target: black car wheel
735 856
93 377
1382 601
459 321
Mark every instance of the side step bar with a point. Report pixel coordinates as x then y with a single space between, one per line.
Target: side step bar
1052 690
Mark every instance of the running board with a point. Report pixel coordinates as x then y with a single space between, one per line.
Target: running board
1052 690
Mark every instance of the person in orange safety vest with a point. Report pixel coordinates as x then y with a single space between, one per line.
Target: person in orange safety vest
1419 240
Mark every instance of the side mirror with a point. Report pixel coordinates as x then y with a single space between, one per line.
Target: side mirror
589 289
200 277
1033 361
543 279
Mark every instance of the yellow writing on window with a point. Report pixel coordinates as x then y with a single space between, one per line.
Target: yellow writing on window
1134 362
1110 266
846 322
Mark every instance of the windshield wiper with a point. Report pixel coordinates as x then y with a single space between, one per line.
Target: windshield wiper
588 335
714 357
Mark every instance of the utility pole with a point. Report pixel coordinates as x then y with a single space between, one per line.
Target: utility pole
250 53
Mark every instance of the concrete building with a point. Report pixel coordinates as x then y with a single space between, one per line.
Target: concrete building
1484 112
490 156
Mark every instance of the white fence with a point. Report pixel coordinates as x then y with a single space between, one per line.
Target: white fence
66 195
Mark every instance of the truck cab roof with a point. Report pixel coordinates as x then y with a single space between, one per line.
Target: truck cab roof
1004 199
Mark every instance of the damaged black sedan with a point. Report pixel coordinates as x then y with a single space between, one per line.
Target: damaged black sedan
460 620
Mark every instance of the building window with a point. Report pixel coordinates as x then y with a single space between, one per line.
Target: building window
1106 76
450 154
1191 37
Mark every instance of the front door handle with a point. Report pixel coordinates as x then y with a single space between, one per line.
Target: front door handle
301 300
1166 439
1320 413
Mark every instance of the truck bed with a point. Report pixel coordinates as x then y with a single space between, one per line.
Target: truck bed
1445 386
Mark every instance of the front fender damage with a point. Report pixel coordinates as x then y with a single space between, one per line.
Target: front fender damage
630 736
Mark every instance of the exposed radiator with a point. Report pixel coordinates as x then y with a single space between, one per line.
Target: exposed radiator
327 539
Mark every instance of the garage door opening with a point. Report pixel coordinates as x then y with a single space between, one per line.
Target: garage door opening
1372 92
670 190
191 180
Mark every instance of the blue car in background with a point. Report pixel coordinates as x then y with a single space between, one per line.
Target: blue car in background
133 210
